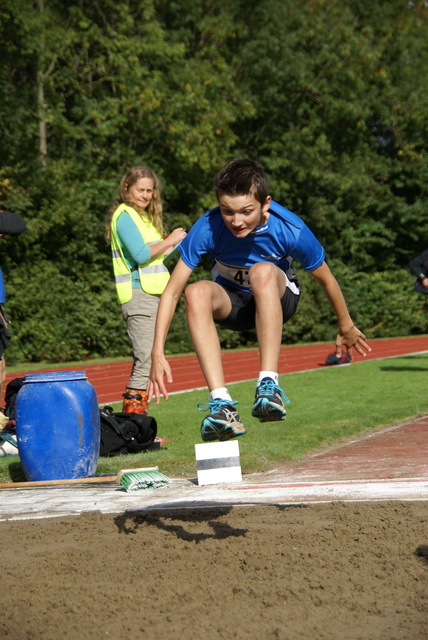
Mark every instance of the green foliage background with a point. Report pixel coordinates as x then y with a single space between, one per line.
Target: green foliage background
330 95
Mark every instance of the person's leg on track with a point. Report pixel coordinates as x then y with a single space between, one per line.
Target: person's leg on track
140 315
2 375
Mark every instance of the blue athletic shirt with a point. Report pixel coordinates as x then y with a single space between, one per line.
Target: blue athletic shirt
2 289
283 238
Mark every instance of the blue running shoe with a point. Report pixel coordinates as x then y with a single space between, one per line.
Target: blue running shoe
269 402
223 423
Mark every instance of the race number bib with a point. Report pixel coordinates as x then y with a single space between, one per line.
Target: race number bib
236 275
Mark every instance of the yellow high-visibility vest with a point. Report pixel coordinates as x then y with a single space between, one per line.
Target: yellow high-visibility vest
154 275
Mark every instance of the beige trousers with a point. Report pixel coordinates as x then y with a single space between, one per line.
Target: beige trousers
140 316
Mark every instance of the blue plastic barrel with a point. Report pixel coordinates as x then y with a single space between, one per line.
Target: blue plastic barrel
57 426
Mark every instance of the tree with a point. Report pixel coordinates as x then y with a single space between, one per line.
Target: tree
337 115
339 120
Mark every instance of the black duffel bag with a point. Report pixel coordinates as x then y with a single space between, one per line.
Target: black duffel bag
126 433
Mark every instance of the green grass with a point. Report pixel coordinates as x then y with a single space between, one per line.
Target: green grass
328 405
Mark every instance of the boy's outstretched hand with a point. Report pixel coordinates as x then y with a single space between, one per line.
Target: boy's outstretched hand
353 338
160 370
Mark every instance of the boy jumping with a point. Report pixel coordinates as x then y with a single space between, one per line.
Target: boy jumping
252 241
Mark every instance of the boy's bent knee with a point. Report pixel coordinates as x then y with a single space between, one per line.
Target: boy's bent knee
195 292
262 272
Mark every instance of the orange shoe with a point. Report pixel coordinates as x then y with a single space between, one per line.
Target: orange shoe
135 401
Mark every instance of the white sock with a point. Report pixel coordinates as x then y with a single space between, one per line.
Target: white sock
222 393
267 374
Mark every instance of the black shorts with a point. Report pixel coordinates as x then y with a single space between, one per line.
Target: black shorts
243 314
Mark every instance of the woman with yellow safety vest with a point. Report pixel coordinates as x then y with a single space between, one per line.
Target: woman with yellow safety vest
135 231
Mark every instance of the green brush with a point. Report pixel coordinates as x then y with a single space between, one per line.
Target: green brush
138 479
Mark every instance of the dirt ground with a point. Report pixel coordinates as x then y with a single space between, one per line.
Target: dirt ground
348 571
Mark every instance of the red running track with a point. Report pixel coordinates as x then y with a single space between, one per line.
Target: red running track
109 380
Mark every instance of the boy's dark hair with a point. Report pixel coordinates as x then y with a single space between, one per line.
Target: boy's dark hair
242 176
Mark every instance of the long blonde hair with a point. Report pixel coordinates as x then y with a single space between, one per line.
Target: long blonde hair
154 209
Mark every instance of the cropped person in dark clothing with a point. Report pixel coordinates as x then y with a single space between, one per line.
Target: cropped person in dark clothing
419 266
11 224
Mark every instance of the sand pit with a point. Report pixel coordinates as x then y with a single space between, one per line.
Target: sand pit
354 571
